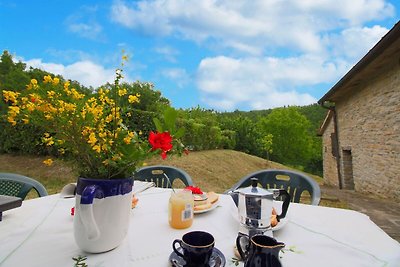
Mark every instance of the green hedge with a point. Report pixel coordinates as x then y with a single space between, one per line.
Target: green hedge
142 120
22 139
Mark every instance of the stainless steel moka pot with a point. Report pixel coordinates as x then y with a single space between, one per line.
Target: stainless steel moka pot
255 208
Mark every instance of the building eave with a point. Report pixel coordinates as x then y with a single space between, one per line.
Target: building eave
325 123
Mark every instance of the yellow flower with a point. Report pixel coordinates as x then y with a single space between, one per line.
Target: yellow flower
128 138
51 93
48 162
50 143
76 94
69 106
12 113
30 107
116 157
133 98
47 139
66 85
102 134
104 147
13 110
109 118
32 85
87 130
10 96
11 120
122 92
47 79
60 141
56 81
92 139
97 148
48 117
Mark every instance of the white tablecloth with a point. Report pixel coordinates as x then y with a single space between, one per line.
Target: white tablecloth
40 233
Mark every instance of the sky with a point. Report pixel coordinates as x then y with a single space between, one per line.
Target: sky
223 55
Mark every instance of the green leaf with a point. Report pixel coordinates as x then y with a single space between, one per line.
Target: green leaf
179 133
158 125
170 116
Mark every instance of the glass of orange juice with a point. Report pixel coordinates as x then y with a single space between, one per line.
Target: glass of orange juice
180 209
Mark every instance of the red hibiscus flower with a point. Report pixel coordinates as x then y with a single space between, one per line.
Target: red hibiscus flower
161 141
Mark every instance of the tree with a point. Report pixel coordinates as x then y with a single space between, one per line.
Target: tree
247 137
12 75
291 141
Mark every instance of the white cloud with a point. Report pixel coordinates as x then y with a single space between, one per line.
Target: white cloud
262 83
83 22
168 52
85 72
150 22
249 26
353 43
178 75
314 43
354 12
90 31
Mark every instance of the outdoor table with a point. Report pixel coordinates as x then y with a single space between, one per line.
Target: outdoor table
40 233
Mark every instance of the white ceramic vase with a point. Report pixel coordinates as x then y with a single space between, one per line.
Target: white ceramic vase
102 213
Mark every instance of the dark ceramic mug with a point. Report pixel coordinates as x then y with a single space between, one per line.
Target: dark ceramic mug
197 248
262 251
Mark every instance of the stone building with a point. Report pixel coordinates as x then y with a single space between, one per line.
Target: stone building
361 132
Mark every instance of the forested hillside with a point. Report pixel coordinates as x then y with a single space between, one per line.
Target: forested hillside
286 135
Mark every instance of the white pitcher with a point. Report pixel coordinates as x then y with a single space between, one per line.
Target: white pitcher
102 212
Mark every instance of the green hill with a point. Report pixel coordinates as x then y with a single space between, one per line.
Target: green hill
215 170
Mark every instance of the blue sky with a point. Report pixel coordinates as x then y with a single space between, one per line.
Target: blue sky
216 54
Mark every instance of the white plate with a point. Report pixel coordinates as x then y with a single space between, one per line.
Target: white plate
213 206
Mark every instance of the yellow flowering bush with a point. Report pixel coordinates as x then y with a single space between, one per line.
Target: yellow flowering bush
90 128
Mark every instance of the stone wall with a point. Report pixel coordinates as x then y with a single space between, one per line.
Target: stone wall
369 126
329 160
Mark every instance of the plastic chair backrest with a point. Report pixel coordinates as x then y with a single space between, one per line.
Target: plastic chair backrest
156 174
17 185
293 182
